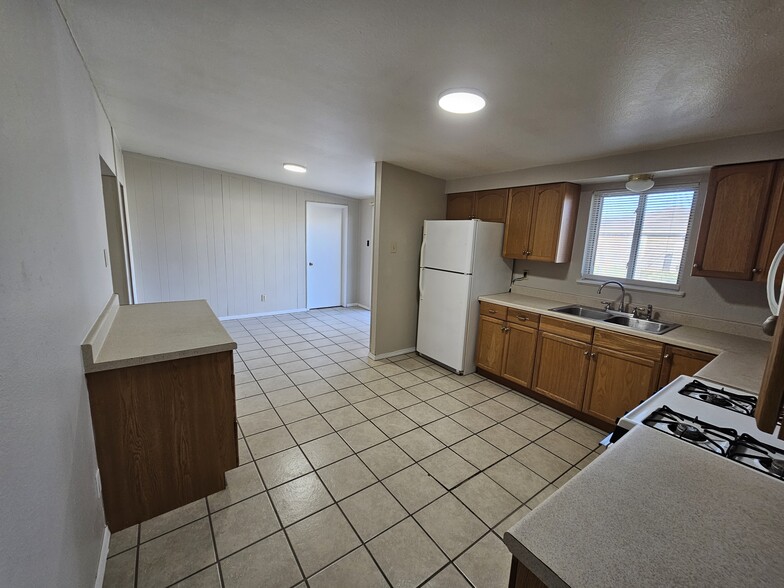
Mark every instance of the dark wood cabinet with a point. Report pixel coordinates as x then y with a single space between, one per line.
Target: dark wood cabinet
520 354
561 368
490 344
506 342
540 222
678 361
486 205
733 220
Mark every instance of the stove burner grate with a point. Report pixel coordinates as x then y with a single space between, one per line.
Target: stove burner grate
740 403
758 455
692 430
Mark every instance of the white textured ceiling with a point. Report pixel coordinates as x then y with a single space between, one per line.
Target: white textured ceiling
245 85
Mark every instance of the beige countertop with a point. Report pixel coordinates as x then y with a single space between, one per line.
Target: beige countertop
655 511
138 334
740 361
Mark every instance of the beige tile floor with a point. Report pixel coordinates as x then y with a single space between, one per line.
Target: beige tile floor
357 472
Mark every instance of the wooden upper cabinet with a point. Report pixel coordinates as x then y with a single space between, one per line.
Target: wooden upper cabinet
773 234
486 205
460 206
618 382
490 344
733 221
491 205
540 222
678 361
561 368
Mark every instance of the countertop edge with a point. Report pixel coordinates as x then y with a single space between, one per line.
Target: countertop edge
533 563
156 358
96 337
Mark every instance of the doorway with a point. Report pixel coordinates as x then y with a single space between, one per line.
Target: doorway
117 234
325 245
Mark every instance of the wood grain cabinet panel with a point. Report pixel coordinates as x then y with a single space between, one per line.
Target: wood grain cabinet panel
164 434
460 206
491 205
561 368
678 361
773 235
520 354
490 344
733 220
618 382
540 222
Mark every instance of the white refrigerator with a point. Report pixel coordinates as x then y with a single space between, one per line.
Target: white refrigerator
460 260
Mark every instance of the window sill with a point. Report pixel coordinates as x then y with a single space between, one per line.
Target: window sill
634 288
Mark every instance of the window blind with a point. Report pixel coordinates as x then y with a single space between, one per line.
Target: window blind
639 238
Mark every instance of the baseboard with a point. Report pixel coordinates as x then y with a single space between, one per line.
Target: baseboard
102 561
235 317
391 353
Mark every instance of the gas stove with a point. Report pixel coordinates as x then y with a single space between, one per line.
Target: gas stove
712 417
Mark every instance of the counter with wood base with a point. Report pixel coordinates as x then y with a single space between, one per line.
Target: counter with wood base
161 388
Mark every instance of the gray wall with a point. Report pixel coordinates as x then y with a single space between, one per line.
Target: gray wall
201 233
53 286
404 200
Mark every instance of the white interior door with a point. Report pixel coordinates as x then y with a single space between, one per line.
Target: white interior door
324 246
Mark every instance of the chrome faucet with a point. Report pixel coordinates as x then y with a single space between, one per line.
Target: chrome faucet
622 303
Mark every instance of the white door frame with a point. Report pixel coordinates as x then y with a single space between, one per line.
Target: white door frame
309 204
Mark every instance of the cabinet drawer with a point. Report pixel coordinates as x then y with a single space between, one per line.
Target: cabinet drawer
523 317
495 311
630 344
568 329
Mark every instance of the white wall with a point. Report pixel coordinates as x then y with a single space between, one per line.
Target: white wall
404 200
365 254
53 285
202 233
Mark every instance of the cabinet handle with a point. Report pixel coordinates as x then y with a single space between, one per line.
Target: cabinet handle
666 356
491 311
520 317
586 353
505 329
696 266
593 355
756 270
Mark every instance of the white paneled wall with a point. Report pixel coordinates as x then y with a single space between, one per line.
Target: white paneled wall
201 233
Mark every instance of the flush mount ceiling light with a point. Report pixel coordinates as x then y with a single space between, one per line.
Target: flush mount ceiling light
461 101
295 167
640 183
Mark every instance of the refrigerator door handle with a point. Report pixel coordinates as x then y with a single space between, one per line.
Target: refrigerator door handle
422 251
421 286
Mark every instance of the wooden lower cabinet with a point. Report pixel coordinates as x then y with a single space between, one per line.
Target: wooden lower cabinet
490 344
561 368
165 434
678 361
520 354
617 382
521 577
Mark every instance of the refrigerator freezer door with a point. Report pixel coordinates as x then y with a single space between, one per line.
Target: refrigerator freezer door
443 314
449 245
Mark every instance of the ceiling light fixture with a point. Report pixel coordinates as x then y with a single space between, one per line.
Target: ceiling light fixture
294 167
461 101
640 183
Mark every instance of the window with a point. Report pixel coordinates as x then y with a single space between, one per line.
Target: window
639 238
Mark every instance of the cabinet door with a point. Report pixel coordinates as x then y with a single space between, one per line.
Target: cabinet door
491 205
561 368
618 382
518 222
773 236
520 354
490 344
678 361
460 206
732 221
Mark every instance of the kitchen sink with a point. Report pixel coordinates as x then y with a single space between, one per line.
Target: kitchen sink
642 325
584 312
616 318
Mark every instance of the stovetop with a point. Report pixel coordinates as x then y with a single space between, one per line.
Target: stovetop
712 417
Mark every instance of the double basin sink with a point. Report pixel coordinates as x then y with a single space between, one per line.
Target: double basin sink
617 318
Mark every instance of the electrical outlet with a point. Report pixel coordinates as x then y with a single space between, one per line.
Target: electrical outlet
98 481
263 297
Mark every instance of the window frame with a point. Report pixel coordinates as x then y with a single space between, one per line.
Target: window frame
589 253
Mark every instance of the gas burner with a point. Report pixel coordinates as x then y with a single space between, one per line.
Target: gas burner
692 430
689 432
758 455
740 403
